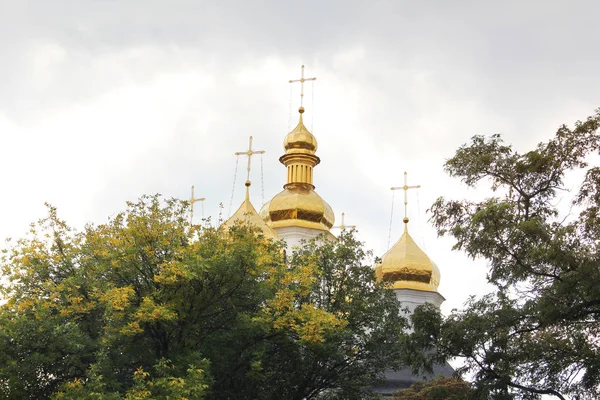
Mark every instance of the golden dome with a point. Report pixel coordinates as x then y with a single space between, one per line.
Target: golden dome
300 140
408 267
298 205
300 146
246 214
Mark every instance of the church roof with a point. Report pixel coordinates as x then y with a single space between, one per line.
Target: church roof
300 140
298 205
408 267
246 214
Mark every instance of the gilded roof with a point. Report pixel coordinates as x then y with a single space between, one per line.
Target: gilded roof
408 266
300 140
298 205
246 214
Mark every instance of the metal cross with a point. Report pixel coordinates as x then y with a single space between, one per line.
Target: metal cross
192 201
405 188
302 80
249 153
342 226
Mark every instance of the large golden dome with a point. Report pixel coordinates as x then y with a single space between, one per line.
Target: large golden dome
298 204
408 267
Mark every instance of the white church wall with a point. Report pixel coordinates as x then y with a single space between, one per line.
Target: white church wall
294 235
411 298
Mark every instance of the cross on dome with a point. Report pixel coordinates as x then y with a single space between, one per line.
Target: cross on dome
302 80
249 153
405 188
246 213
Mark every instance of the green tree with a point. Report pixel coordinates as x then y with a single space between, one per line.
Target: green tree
438 389
146 306
331 279
539 332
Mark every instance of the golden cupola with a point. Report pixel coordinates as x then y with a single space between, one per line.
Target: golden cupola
298 204
246 214
407 266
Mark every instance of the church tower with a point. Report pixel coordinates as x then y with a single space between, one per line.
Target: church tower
415 279
298 212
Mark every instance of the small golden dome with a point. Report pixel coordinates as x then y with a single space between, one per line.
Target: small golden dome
408 267
298 205
300 140
246 214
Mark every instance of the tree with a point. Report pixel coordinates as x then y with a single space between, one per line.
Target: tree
347 362
438 389
147 306
539 332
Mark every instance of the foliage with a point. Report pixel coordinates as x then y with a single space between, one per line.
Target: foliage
146 306
539 333
439 389
366 339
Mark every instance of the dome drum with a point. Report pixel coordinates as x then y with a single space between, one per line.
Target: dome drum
299 168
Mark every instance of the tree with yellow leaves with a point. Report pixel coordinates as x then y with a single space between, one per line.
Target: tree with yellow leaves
147 306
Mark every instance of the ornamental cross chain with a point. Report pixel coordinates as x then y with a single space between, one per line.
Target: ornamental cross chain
342 226
302 80
405 188
249 153
192 201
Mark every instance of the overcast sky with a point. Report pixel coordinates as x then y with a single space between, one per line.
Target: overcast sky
103 101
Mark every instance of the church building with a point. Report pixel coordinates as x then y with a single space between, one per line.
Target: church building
299 213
